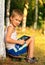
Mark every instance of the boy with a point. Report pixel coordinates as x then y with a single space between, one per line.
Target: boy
12 42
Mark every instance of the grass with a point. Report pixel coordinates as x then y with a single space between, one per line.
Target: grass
39 48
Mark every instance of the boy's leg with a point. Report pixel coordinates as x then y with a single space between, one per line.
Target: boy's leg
30 44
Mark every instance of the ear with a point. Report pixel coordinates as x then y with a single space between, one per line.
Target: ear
11 18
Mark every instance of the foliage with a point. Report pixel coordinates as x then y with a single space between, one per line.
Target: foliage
17 4
20 5
40 16
31 11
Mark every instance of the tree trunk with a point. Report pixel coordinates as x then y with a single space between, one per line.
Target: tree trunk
44 28
2 45
25 16
41 2
44 19
8 12
36 15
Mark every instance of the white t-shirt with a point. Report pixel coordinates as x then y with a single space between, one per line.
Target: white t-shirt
14 37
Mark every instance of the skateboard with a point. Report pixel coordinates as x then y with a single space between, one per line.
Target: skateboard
16 58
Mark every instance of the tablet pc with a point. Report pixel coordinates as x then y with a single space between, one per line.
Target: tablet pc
24 37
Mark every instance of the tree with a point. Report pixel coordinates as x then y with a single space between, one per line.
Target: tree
43 18
7 12
25 15
2 44
41 2
36 15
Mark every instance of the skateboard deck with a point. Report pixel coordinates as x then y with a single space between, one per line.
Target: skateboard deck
17 58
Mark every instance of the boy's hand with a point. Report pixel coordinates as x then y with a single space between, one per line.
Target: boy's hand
21 42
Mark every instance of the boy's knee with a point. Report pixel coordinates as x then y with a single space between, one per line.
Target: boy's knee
32 39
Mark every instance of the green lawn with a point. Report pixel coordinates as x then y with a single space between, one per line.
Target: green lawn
39 48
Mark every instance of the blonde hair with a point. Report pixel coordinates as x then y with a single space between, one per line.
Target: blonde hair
16 12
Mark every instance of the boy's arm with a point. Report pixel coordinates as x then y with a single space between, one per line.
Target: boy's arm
10 40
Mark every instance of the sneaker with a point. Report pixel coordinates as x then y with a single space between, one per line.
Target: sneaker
32 60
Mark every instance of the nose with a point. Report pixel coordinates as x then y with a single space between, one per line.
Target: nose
18 22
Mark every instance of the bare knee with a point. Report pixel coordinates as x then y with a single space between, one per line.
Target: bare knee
30 40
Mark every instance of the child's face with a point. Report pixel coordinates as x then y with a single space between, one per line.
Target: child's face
16 20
